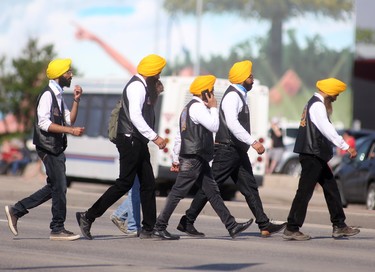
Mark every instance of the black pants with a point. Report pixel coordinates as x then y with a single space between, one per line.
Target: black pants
134 160
315 170
198 171
56 189
230 162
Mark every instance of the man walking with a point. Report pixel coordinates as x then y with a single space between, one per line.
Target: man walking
232 142
192 153
135 130
52 122
315 139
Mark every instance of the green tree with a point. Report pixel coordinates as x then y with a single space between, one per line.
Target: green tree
274 11
22 82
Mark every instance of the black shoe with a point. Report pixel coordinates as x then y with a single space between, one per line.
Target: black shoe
145 234
84 224
164 235
63 235
185 226
240 227
272 228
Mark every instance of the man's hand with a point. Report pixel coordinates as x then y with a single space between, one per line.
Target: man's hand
77 93
258 147
160 142
77 131
175 167
211 101
352 152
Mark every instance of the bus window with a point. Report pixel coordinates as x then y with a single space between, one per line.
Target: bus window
94 116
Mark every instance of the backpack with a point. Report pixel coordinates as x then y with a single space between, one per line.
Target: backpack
113 122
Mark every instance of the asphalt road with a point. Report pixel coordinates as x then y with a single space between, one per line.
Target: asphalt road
31 250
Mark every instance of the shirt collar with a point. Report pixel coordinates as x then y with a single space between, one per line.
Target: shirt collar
141 78
55 87
318 95
240 88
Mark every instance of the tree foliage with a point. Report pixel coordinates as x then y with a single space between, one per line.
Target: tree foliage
23 80
274 11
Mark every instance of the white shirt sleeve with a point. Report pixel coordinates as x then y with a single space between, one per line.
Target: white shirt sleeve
318 115
200 114
43 111
176 147
232 106
136 96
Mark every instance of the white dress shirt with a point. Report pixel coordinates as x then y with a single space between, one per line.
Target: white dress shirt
318 115
232 106
45 103
199 114
136 94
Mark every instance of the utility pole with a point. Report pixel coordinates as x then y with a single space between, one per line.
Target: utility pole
199 7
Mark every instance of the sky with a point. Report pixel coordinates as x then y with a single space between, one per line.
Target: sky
138 28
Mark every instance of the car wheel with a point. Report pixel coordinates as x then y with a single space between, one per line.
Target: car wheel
342 196
370 201
292 168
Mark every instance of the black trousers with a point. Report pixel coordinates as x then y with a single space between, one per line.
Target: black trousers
230 162
134 160
195 170
315 170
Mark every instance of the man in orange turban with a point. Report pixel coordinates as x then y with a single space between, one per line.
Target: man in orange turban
53 121
232 141
135 129
58 67
194 148
315 140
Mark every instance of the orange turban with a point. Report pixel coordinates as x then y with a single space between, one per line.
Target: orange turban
240 71
58 67
151 65
331 86
202 83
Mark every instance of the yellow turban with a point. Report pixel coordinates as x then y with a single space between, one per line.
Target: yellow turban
331 86
151 65
58 67
240 71
202 83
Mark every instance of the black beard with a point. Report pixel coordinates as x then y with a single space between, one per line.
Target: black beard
248 87
64 82
152 91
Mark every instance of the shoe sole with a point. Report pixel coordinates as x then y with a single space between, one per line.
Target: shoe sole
294 238
10 223
345 235
164 239
266 233
78 217
68 238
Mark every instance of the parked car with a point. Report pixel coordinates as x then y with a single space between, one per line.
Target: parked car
289 162
356 177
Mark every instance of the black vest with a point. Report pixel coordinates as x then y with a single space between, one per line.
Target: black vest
309 139
54 143
195 139
223 135
125 126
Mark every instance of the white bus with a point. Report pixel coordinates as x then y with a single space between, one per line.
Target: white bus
93 157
